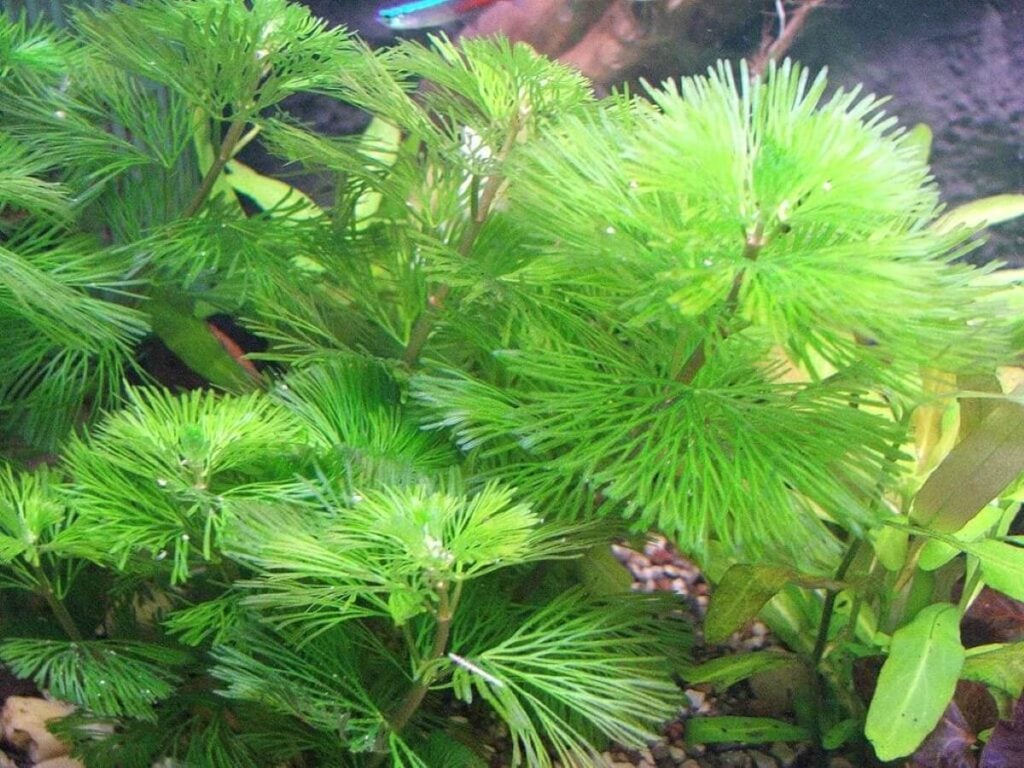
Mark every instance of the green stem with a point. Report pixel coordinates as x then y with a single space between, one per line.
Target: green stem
407 708
830 603
479 210
691 367
819 646
227 150
56 606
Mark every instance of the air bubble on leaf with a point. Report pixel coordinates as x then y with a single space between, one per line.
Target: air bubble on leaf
185 537
356 498
162 482
827 185
102 682
709 262
609 230
60 114
161 554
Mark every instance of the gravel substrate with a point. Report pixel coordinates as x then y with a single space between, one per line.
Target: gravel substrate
659 568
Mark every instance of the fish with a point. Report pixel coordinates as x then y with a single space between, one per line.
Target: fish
420 14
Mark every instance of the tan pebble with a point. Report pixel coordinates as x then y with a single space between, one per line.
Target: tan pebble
695 697
690 764
784 753
659 752
678 754
6 762
23 721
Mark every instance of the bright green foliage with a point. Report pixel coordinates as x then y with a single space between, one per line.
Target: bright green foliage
705 311
163 476
652 282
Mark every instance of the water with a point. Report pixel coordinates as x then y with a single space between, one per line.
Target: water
955 65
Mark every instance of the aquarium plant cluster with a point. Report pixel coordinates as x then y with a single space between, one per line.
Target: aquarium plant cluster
523 322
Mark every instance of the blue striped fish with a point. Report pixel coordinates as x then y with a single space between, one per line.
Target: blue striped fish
419 14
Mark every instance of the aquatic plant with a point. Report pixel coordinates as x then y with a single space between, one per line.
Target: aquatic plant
527 321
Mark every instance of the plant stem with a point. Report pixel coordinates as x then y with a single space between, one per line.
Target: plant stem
227 150
691 367
401 716
56 606
479 211
830 602
822 640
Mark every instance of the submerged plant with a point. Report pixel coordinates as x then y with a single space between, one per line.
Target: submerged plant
528 321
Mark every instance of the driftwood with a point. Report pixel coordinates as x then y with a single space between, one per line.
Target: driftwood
611 40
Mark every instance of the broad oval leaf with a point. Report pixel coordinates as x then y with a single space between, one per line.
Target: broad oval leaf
745 730
890 544
1002 566
935 553
728 670
742 592
976 471
745 589
999 666
916 683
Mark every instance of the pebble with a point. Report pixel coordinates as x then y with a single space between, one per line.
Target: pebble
784 753
736 759
657 567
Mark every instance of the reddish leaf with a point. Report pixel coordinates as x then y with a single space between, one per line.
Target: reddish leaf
949 745
976 705
1005 748
993 618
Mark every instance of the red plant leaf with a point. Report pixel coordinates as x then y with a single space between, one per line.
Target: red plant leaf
949 745
993 618
1005 748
